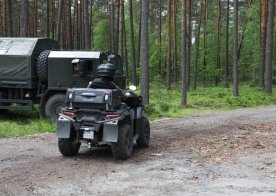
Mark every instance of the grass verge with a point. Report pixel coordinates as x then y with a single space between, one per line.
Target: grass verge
167 103
19 123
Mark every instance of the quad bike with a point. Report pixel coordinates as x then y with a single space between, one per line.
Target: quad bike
99 117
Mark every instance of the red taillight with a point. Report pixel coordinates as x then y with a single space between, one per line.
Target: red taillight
112 115
72 114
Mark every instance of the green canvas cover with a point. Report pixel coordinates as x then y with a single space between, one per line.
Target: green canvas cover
18 58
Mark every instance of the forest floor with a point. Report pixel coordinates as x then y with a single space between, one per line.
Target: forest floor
225 153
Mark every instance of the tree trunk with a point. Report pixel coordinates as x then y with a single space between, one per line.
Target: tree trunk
204 81
4 11
269 47
47 18
226 67
82 37
188 42
197 41
235 51
249 2
117 26
69 26
121 31
125 51
87 38
63 29
53 21
24 18
133 57
160 40
91 24
139 36
263 42
218 43
169 45
58 29
112 26
33 26
183 56
175 41
9 19
144 52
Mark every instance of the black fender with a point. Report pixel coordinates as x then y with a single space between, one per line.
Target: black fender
125 119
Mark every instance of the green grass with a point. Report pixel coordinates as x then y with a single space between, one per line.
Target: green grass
19 123
163 104
167 103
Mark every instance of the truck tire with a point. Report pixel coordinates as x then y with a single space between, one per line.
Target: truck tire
144 135
42 66
123 148
69 147
53 106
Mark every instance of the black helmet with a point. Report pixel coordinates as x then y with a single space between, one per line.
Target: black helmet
106 70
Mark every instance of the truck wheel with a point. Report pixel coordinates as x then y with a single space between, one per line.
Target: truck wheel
53 106
123 148
144 135
69 147
42 66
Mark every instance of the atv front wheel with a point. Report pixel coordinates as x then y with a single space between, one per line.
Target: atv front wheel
123 148
144 135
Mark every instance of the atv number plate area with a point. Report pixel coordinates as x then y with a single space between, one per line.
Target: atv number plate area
88 135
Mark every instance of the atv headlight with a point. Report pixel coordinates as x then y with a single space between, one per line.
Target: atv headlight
106 97
70 95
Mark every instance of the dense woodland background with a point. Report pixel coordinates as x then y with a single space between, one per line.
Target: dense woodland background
171 42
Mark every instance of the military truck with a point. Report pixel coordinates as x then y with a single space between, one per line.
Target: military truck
35 71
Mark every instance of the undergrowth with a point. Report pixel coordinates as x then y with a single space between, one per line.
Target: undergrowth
167 103
163 104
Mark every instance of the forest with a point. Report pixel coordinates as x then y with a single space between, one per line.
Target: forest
175 44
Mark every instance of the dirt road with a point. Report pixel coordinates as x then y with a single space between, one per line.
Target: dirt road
227 153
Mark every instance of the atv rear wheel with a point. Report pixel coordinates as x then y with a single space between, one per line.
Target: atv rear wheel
69 147
123 148
53 106
144 135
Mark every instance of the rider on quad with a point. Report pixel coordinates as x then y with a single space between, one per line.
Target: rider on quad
105 76
103 114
